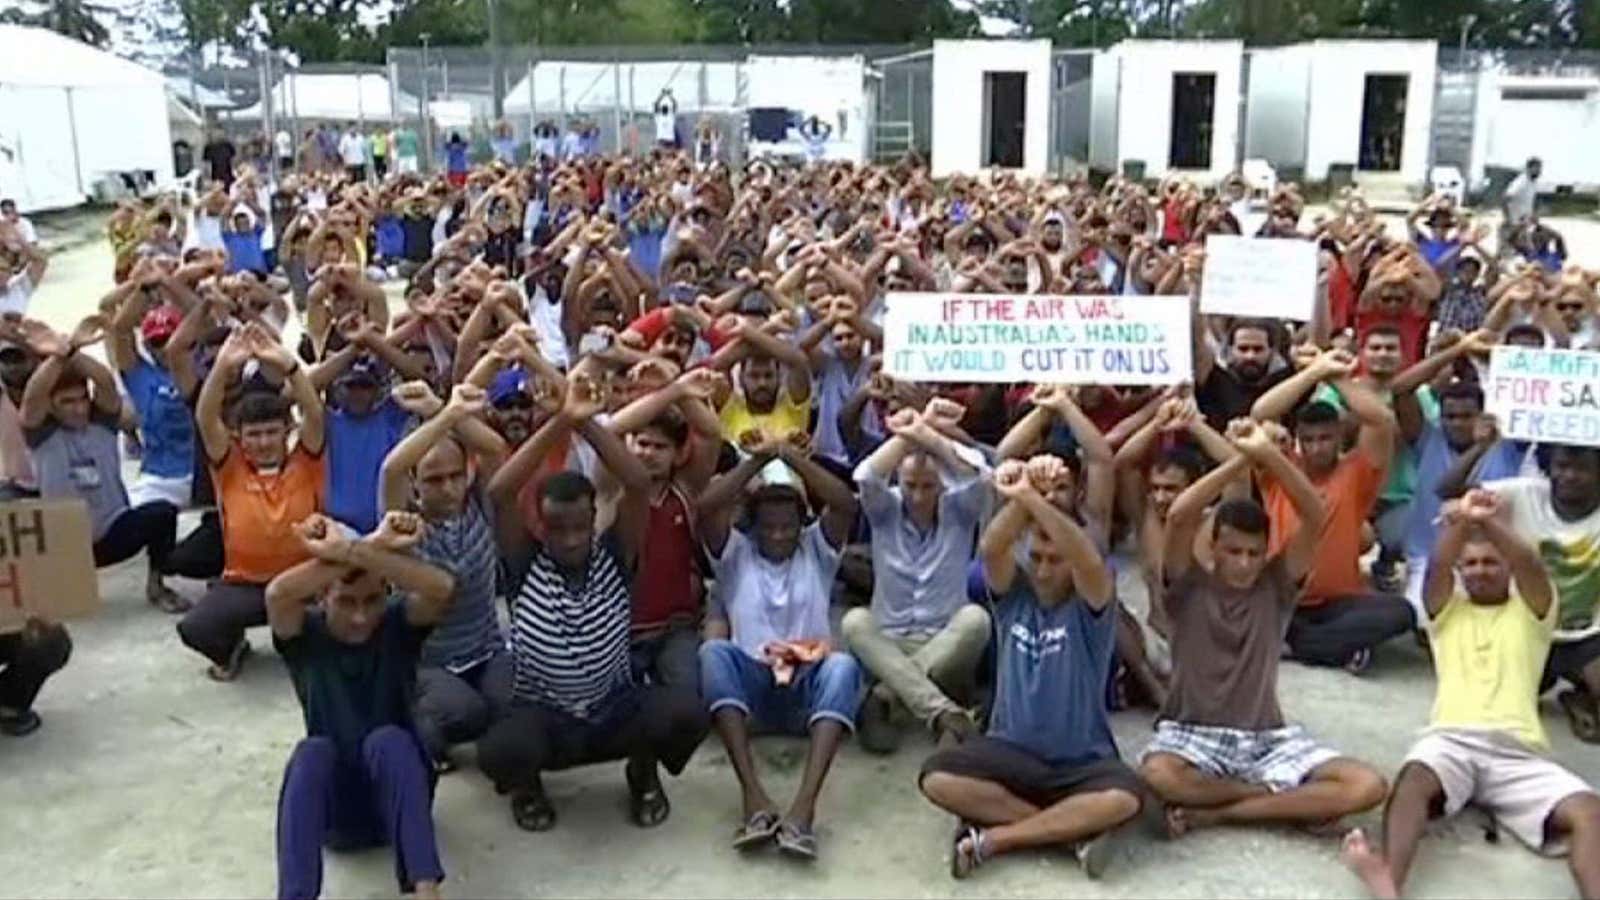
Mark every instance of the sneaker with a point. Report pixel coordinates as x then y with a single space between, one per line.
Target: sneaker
876 731
18 724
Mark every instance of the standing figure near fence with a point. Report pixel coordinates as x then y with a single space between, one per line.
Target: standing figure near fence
666 112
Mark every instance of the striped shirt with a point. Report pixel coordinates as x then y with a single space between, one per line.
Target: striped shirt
463 545
569 642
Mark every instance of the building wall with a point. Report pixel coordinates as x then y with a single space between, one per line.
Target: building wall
958 70
1106 74
1338 84
1276 111
1144 122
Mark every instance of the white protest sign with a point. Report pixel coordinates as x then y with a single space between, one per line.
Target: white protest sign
1545 395
1268 278
1037 338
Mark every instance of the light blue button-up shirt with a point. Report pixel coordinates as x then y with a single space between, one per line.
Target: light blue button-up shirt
920 577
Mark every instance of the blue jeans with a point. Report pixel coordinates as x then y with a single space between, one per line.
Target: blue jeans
828 689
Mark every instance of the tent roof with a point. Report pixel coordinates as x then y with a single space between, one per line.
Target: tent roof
40 57
192 91
350 97
586 86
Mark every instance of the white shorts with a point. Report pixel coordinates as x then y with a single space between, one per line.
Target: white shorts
149 487
1416 576
1517 786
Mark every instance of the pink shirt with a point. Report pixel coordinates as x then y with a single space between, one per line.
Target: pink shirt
16 466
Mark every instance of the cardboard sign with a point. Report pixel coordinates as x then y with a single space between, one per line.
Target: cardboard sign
1037 338
1545 395
46 562
1265 278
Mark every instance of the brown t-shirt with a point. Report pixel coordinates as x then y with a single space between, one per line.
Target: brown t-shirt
1225 644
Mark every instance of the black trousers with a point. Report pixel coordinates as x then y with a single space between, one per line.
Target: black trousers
151 527
1328 635
457 707
218 622
199 554
29 657
662 723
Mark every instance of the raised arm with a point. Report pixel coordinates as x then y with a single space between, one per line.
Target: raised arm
1283 397
1188 511
996 548
1378 424
839 504
1261 450
428 588
1091 577
720 500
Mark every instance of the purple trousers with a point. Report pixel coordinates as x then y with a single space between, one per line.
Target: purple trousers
383 798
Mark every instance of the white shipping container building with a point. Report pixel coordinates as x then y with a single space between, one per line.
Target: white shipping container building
1366 104
1553 114
991 106
1171 105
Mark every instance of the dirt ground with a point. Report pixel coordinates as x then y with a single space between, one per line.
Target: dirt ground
148 780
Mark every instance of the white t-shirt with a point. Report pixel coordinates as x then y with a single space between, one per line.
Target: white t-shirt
1520 194
353 149
18 291
25 230
766 601
284 144
1570 550
207 232
667 120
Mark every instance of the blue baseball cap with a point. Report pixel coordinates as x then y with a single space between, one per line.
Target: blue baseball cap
509 383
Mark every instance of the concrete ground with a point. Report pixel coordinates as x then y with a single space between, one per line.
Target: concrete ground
148 780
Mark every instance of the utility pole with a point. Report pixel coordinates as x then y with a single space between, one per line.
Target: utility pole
497 74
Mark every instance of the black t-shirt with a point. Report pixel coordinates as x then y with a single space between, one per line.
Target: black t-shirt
284 206
348 690
417 245
219 155
1223 397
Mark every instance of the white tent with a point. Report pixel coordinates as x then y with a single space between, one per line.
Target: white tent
71 115
552 87
344 98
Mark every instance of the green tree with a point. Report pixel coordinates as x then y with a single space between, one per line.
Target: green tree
80 20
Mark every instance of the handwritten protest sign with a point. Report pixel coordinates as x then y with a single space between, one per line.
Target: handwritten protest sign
1030 337
1271 278
1545 395
46 562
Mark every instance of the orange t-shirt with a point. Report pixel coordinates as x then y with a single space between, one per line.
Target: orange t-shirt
1349 491
259 513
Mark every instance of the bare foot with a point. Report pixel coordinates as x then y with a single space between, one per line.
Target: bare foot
1177 822
1368 864
427 890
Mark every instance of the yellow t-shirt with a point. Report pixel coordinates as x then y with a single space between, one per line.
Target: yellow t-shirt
1489 660
786 416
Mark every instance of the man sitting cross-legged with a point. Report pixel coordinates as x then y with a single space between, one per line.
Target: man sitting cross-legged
920 637
1222 752
359 778
1491 614
1047 773
769 658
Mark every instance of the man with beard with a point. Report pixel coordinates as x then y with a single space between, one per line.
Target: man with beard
1560 516
1340 619
774 385
1226 392
264 489
1491 610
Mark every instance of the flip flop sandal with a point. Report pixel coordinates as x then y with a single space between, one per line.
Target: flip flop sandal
758 830
649 807
533 812
967 851
797 841
1581 716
